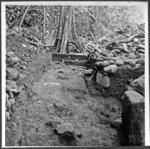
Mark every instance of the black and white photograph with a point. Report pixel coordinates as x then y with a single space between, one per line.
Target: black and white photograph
75 73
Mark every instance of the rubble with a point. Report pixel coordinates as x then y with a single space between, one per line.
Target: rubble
125 51
12 76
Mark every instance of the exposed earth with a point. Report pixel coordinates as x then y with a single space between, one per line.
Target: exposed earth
58 105
56 94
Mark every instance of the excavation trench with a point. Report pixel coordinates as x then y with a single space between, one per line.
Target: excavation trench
55 94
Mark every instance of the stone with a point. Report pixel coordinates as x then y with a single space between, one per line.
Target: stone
132 56
125 48
65 127
110 55
111 68
137 66
11 95
134 97
12 108
10 54
133 49
106 63
130 62
142 55
118 120
139 84
11 86
22 76
111 62
7 115
130 67
140 61
22 67
12 101
141 50
141 46
8 105
119 62
136 40
117 51
102 63
116 123
61 71
99 79
13 60
7 96
133 118
102 39
88 72
78 133
106 82
11 73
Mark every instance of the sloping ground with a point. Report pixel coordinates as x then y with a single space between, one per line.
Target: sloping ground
55 97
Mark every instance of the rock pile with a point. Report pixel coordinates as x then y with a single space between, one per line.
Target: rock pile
12 89
126 51
20 51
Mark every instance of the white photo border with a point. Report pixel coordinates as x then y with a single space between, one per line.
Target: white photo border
144 6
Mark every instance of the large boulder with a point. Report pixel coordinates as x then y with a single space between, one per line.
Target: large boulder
11 73
111 68
133 118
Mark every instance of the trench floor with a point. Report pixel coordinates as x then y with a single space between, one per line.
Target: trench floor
61 95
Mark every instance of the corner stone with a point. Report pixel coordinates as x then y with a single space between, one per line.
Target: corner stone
133 118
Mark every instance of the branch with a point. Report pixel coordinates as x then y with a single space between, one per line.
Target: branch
24 16
44 25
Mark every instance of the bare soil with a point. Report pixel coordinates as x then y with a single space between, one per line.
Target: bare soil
53 94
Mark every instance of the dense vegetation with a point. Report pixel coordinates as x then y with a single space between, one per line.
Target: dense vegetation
91 22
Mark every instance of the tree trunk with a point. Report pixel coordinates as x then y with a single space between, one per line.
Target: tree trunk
66 30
